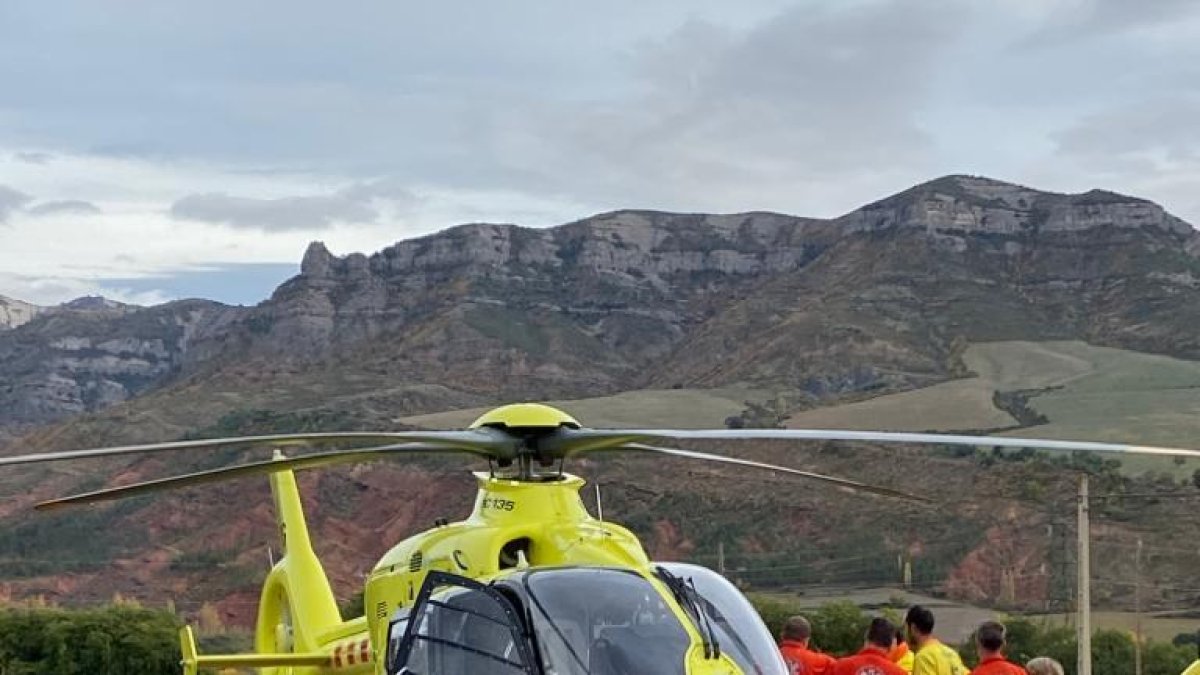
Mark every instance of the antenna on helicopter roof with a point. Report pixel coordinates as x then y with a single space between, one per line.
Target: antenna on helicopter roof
599 504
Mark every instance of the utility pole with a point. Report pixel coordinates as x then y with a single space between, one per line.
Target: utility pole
1137 609
1083 623
721 558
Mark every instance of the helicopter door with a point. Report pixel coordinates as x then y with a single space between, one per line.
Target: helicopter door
459 626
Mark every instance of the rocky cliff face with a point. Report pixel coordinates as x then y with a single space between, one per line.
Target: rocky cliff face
956 260
584 307
875 299
90 354
13 313
881 298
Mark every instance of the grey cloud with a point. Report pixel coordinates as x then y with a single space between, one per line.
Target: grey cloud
304 82
1094 19
1167 127
75 206
813 93
356 203
33 157
286 213
11 200
384 189
1150 148
130 150
772 104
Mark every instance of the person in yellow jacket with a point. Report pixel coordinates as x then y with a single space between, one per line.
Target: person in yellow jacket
901 655
1193 669
933 657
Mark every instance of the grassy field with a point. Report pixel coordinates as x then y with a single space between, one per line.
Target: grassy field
681 408
962 404
1099 393
967 403
1154 626
956 621
1088 393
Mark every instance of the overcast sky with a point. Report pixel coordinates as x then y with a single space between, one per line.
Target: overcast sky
155 150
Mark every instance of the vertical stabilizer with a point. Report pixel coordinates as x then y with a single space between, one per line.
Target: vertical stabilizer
297 604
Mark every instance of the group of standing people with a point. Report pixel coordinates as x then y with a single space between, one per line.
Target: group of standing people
911 650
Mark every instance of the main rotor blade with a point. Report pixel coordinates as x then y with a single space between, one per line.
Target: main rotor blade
567 442
833 480
486 442
243 470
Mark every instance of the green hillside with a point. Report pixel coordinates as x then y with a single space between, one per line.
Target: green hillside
1085 392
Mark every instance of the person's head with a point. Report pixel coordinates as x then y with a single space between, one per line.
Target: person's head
989 638
1044 665
797 629
882 634
919 622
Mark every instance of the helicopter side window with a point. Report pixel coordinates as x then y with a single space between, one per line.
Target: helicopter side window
396 630
460 626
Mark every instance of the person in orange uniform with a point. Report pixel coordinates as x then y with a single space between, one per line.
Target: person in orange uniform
989 642
901 655
933 657
796 653
873 659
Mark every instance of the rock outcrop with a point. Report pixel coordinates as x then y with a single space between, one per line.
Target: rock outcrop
92 353
14 313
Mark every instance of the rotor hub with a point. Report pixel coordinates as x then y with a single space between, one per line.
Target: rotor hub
525 416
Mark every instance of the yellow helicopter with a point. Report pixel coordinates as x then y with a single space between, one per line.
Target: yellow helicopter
530 583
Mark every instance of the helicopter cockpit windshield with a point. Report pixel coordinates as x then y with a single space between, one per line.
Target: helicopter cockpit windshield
578 621
735 625
591 621
555 621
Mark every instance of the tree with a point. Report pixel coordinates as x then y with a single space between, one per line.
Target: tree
1112 653
839 627
1162 658
116 640
774 612
1027 639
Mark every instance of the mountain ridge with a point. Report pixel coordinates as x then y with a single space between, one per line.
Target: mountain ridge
606 302
806 312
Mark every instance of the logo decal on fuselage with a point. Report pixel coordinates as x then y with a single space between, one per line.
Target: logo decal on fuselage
499 504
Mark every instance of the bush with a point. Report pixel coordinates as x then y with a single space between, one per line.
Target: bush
112 640
1112 651
773 612
838 627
